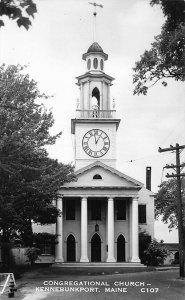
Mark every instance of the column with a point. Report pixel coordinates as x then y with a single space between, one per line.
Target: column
84 241
110 233
134 238
89 99
59 232
101 97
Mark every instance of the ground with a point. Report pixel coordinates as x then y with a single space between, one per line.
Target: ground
90 285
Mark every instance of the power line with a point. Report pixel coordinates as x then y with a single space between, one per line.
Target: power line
173 130
144 157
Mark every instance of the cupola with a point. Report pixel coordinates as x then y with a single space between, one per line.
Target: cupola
95 58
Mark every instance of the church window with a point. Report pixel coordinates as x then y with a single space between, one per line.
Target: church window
96 95
70 209
120 210
97 176
89 64
142 213
101 64
95 210
46 249
95 63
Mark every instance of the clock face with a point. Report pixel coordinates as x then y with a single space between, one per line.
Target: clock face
96 143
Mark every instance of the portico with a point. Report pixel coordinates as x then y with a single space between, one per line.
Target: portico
97 223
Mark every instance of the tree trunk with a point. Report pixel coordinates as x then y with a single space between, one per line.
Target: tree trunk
27 234
5 249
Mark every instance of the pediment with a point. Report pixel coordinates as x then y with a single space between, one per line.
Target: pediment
99 175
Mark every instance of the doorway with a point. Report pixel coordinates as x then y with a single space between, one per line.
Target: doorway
71 248
96 248
121 248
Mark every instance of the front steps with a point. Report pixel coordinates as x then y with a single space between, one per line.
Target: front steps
99 264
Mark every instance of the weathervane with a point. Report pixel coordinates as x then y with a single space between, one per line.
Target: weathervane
95 14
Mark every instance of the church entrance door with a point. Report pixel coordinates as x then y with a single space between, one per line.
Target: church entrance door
121 248
71 248
96 248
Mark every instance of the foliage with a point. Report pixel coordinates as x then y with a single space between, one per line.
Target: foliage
19 10
41 238
155 254
166 202
144 241
166 58
32 254
30 180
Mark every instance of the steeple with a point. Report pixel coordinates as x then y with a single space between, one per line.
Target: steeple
95 125
95 85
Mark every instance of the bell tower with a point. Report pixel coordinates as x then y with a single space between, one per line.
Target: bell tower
95 125
95 90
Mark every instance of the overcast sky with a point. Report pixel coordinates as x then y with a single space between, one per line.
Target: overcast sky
53 47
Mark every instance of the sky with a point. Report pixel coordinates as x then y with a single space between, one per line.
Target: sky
52 49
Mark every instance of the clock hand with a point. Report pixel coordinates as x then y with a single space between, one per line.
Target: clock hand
98 138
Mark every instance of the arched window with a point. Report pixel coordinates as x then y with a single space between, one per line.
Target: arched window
96 248
89 64
120 248
97 176
71 248
96 94
101 64
95 63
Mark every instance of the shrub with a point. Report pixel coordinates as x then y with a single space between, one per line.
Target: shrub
44 238
144 241
155 254
32 254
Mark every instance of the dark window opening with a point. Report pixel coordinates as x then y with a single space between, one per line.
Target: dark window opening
70 209
121 248
120 210
101 64
97 176
95 63
142 214
95 210
46 249
96 248
71 248
176 258
88 64
96 94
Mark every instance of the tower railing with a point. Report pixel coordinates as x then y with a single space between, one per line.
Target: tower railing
91 114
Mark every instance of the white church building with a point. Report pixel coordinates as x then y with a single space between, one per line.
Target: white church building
104 209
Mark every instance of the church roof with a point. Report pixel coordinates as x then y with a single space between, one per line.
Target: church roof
112 170
95 47
112 183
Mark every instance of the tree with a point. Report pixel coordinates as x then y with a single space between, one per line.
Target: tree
166 58
30 180
166 203
19 10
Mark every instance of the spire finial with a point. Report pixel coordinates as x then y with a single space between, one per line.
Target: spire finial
94 19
